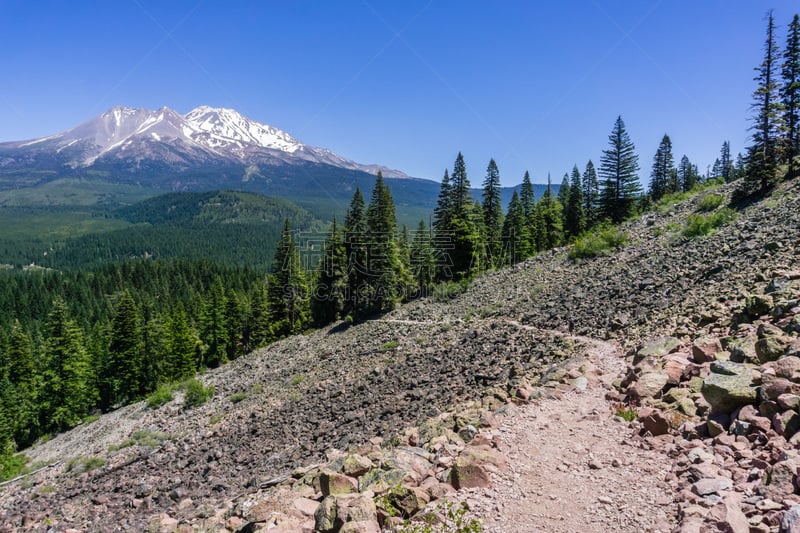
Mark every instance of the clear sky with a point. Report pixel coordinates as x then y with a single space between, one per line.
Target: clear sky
536 85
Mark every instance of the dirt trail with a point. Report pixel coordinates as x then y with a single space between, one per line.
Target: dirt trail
573 468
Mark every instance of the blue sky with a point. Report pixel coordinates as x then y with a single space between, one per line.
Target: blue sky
535 85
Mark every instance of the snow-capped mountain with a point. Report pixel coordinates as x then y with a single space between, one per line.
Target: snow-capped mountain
143 137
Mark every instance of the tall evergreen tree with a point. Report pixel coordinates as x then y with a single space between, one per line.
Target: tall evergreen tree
790 93
23 378
492 213
259 332
726 163
443 210
763 152
663 165
551 217
423 258
618 170
383 271
355 244
123 369
516 238
286 288
182 360
574 218
234 323
329 297
214 328
67 395
527 196
687 175
591 194
458 242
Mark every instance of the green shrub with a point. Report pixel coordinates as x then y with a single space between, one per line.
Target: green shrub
447 290
699 225
11 465
454 520
79 465
150 439
197 394
237 397
391 345
296 380
160 396
598 242
711 202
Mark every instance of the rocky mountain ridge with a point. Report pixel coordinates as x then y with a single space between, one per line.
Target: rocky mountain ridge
310 399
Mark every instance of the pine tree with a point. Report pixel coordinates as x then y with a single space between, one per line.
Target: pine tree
355 244
258 330
67 395
286 288
214 328
527 196
663 165
687 176
618 170
516 236
763 152
458 243
790 93
383 271
575 219
23 378
423 258
550 214
122 372
726 163
442 213
492 213
234 323
329 298
591 195
182 362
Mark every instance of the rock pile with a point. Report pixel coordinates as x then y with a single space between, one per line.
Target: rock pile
728 410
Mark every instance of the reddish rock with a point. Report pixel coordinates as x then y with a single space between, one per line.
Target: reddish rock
653 421
706 348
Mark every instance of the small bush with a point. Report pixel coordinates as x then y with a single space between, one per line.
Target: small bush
700 225
296 380
197 394
391 345
454 520
598 242
79 465
150 439
11 465
711 202
237 397
162 395
447 290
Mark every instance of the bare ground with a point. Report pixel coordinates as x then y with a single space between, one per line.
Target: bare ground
573 467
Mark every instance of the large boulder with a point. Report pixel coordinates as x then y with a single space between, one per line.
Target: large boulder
730 390
648 385
706 348
659 347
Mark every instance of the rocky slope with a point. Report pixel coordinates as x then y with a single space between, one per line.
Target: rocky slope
303 400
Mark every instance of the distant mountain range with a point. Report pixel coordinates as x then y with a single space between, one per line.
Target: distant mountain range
159 151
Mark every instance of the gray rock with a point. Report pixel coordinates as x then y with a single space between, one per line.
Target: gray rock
648 385
658 347
708 486
727 392
791 520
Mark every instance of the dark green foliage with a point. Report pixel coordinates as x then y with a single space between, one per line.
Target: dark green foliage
423 258
181 361
687 176
762 154
790 94
67 393
287 290
214 328
526 196
384 267
663 170
549 220
618 171
727 171
458 240
492 213
516 235
122 372
574 217
330 295
355 243
591 195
